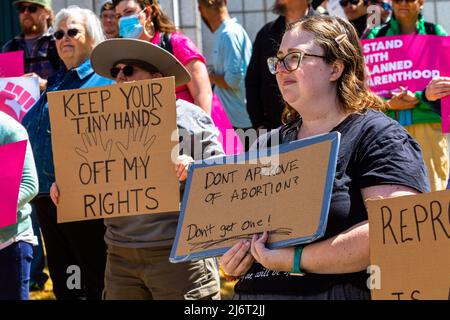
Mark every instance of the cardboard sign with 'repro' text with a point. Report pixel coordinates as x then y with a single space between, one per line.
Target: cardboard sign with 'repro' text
410 246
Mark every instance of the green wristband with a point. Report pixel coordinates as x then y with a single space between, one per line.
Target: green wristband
297 259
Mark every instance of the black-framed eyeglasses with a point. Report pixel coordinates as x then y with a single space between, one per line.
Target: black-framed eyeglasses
31 8
60 33
291 61
344 3
127 70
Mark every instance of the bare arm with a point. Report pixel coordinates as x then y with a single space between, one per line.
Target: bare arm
344 253
200 86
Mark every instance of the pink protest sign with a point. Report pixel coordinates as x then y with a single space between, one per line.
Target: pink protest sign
18 95
11 165
11 64
410 61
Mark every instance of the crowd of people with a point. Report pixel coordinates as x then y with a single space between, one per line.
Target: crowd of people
303 75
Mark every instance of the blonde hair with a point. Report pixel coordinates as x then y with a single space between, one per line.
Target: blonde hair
339 41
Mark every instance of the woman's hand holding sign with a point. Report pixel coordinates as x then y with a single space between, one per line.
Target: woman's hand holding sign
237 260
403 100
182 166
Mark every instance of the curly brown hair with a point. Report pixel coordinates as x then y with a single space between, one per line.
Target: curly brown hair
160 19
339 41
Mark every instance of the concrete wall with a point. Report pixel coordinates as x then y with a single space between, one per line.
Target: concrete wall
252 14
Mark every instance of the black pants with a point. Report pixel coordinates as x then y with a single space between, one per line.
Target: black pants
79 244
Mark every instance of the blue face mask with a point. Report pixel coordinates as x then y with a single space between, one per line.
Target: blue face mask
130 27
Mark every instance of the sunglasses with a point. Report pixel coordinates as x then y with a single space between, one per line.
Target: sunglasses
60 33
127 70
31 9
344 3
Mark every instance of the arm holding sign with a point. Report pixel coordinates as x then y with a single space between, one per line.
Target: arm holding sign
437 89
344 253
402 100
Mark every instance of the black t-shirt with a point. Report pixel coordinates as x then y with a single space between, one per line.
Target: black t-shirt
374 150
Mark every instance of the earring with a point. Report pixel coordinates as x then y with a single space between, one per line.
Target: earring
149 29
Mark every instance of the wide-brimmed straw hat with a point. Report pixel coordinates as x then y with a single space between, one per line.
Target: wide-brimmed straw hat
110 52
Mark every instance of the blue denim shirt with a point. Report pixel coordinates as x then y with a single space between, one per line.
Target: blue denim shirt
37 120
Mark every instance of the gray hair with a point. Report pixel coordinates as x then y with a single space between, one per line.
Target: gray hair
91 22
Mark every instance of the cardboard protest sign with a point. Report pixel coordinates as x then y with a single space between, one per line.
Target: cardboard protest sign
286 192
393 61
18 95
11 64
409 245
12 157
112 148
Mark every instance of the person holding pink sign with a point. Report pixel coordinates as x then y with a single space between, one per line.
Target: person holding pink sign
17 240
36 40
412 109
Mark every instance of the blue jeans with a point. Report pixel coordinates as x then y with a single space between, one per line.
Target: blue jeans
15 261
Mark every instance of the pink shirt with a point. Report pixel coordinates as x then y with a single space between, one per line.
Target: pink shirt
184 50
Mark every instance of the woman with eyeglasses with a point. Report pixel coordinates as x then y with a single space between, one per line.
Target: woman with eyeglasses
414 109
320 70
80 244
